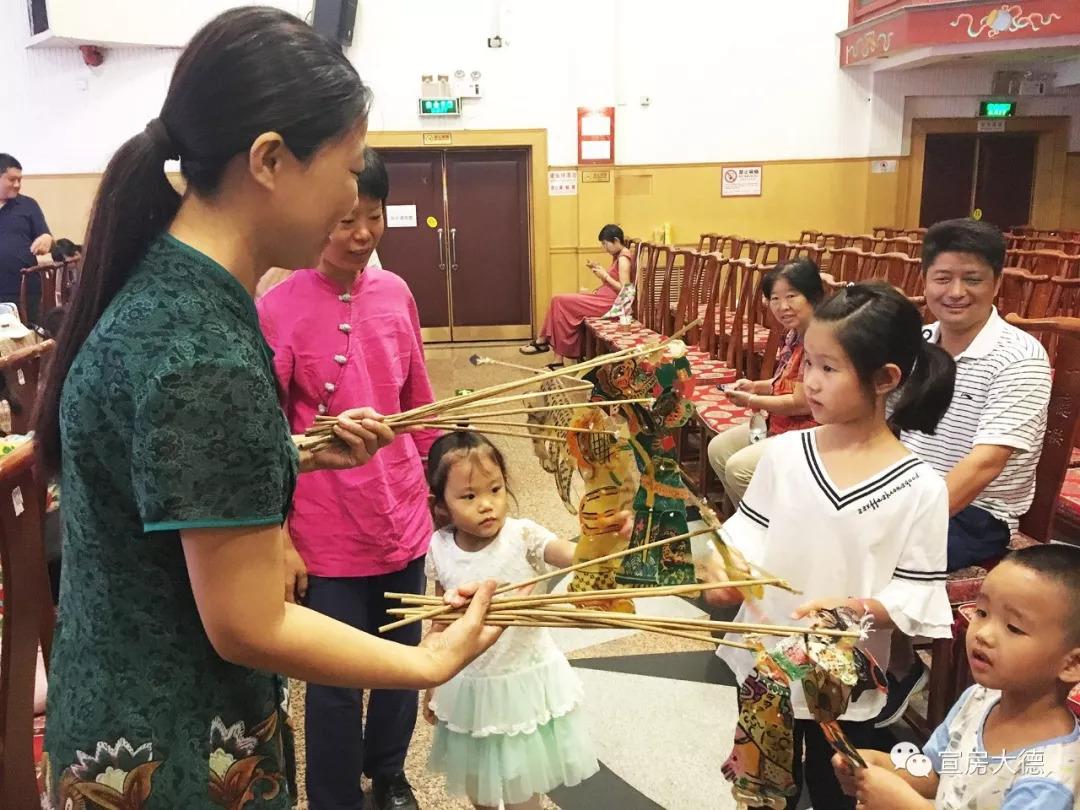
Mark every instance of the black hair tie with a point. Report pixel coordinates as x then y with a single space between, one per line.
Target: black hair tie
162 140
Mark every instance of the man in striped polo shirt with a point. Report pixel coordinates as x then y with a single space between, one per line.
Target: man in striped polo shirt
988 444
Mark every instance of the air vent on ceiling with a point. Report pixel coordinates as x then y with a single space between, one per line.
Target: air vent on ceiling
1022 83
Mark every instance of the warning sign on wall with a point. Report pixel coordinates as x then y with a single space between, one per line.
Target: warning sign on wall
741 181
562 183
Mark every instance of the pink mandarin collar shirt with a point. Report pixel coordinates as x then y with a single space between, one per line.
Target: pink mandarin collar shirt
334 351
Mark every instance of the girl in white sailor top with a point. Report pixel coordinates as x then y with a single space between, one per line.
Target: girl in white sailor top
844 511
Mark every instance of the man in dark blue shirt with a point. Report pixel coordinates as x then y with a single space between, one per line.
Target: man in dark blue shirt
23 232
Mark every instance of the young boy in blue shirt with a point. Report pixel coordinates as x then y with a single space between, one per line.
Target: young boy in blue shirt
1010 742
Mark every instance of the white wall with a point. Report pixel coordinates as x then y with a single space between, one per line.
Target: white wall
724 84
729 82
691 58
61 116
162 23
530 83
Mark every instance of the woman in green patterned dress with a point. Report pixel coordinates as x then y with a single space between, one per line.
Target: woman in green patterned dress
161 416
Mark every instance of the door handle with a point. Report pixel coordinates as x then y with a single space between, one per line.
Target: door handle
453 250
442 251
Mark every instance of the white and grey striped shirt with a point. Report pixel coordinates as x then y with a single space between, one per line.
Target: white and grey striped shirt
1001 397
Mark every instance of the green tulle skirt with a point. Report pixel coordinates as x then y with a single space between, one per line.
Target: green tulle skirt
511 768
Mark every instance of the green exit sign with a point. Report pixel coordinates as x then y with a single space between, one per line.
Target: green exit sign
997 109
441 107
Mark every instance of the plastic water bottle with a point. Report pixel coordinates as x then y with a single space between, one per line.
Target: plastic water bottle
759 428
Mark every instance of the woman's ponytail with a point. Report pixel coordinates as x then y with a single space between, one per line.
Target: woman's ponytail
134 203
927 392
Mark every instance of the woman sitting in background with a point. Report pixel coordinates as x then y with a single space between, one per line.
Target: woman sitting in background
567 312
793 290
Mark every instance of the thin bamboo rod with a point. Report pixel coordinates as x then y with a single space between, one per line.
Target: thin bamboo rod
503 388
560 572
316 444
581 597
503 423
482 360
618 624
465 410
746 628
323 424
536 409
494 432
725 627
631 624
709 516
589 621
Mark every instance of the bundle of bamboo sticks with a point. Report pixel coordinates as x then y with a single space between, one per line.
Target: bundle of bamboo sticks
468 411
564 610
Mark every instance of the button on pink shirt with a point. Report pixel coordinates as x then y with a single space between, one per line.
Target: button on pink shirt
334 351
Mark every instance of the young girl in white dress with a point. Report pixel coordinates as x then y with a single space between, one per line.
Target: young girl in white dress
510 726
844 511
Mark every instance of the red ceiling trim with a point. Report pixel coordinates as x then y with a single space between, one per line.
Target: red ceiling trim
923 23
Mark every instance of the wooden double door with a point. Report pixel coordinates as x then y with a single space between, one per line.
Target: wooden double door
467 258
991 173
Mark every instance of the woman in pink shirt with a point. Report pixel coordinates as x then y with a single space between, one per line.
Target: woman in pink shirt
342 334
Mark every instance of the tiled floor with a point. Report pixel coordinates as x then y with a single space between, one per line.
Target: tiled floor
662 710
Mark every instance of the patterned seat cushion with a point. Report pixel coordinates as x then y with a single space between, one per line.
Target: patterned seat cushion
604 325
705 368
964 612
613 335
1068 503
761 338
632 340
39 750
714 411
710 370
1074 459
39 720
963 585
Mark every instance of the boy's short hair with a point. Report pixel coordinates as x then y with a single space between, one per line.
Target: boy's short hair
965 236
1059 563
373 182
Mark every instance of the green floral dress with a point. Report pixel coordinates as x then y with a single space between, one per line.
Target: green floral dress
170 421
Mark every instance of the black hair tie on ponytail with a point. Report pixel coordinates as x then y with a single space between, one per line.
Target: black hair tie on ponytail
159 134
920 358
